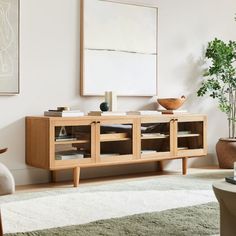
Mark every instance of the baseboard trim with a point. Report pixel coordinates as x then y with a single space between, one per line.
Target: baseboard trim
35 176
30 176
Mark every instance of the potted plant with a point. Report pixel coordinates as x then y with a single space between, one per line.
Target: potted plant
220 84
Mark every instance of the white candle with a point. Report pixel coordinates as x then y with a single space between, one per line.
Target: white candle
107 97
113 101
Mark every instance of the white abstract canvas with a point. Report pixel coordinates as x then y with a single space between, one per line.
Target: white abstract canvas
9 81
119 49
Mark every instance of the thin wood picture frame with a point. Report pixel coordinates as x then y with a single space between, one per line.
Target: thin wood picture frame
127 71
9 47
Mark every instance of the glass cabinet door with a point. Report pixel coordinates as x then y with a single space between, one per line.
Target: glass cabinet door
73 144
191 137
115 140
156 138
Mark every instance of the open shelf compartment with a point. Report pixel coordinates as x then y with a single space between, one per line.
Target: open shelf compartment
155 138
190 135
116 140
72 142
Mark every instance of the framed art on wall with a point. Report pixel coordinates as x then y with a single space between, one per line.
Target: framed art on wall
9 47
118 48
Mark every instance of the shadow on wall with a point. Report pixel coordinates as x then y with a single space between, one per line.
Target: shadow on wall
208 161
205 105
192 72
194 77
176 165
149 106
193 80
12 136
109 171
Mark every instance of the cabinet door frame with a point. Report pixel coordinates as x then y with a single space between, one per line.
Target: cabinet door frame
190 152
63 164
158 120
116 121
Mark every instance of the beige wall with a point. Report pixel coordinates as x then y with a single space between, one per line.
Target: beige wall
49 71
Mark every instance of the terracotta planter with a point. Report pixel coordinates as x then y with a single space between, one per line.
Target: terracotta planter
226 152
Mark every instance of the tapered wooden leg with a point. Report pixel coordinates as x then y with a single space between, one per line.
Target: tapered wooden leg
76 172
160 166
184 165
1 229
53 176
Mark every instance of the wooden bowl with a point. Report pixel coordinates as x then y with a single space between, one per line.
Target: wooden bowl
171 103
2 150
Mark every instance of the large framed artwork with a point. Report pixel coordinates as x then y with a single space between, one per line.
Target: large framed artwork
9 47
118 48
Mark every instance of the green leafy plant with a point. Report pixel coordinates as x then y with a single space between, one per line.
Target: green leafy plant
220 78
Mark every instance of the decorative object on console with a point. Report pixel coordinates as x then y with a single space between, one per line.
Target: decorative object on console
171 103
63 108
2 150
104 106
9 47
220 84
63 133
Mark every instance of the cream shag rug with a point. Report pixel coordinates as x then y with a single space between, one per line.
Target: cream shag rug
58 208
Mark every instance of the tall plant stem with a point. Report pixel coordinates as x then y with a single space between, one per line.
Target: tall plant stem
230 115
234 113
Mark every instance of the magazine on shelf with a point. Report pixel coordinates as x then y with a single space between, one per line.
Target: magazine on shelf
148 151
153 135
182 148
71 113
183 132
65 138
144 112
106 113
69 155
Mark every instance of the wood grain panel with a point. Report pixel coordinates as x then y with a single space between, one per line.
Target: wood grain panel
37 142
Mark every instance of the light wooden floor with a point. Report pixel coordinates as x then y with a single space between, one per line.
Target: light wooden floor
84 182
97 181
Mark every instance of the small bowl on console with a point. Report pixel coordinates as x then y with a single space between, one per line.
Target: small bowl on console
171 103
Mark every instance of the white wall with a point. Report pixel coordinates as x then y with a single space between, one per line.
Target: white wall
49 70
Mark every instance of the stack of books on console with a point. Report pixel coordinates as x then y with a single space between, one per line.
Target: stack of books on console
172 111
144 112
67 113
107 113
